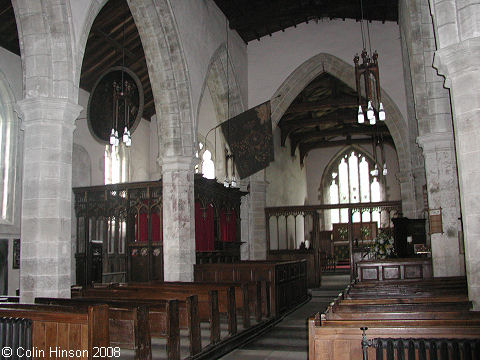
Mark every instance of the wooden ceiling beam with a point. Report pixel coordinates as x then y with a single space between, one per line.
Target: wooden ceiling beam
116 44
339 131
307 106
306 148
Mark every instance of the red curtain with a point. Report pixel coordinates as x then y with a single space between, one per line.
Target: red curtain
141 227
228 226
141 231
204 234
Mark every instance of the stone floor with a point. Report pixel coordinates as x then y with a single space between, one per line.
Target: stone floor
289 338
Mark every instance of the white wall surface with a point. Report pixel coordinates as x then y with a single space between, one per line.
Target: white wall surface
140 155
202 30
287 183
272 59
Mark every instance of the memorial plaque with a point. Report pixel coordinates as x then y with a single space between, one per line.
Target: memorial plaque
435 221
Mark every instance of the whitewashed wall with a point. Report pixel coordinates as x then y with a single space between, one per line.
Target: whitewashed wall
140 152
272 59
287 183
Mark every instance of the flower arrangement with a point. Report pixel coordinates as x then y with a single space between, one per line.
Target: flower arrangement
383 247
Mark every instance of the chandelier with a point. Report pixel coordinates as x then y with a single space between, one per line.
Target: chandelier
229 181
367 80
122 105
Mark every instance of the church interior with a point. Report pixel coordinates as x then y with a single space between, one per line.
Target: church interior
179 177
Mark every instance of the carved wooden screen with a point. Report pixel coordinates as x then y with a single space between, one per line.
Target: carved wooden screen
119 229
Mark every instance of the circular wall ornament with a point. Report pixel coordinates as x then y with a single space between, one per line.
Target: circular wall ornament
100 110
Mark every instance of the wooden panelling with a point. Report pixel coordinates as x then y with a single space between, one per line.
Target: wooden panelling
395 269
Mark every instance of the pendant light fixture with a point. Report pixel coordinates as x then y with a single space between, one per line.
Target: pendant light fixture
122 103
368 72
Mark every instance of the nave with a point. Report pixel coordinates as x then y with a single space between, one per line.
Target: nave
288 340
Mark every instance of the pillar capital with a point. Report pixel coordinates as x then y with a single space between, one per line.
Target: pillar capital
433 142
458 58
177 163
41 109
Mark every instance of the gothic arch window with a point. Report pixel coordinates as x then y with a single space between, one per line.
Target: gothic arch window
206 164
352 177
117 163
8 152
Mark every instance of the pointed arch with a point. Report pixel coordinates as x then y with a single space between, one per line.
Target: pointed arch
331 64
216 83
49 66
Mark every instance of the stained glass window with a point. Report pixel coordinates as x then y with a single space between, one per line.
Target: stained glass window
352 182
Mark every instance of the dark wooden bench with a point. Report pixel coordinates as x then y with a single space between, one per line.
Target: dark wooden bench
230 298
422 309
82 330
132 323
287 279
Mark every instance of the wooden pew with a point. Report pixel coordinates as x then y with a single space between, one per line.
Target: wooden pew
425 310
258 292
83 331
132 322
240 294
287 280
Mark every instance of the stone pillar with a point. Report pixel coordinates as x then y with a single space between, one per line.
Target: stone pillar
178 218
459 64
407 190
257 200
47 195
244 223
442 187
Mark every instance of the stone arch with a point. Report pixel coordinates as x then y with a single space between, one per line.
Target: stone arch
216 82
167 70
48 67
168 73
331 64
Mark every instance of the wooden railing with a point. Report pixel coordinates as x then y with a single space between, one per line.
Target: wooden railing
290 226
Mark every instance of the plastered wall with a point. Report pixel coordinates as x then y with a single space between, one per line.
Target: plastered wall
287 183
272 59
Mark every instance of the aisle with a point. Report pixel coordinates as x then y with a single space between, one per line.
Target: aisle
289 338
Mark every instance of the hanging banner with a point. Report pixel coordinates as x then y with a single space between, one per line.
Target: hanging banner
249 136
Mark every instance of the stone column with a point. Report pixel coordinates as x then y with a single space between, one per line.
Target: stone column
459 64
257 200
245 222
407 190
47 195
178 218
442 187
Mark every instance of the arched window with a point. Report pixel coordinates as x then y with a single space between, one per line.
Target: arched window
8 152
352 178
206 165
116 164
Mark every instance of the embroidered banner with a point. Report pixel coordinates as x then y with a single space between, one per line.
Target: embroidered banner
250 138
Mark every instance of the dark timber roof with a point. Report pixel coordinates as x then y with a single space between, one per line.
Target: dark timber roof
253 19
